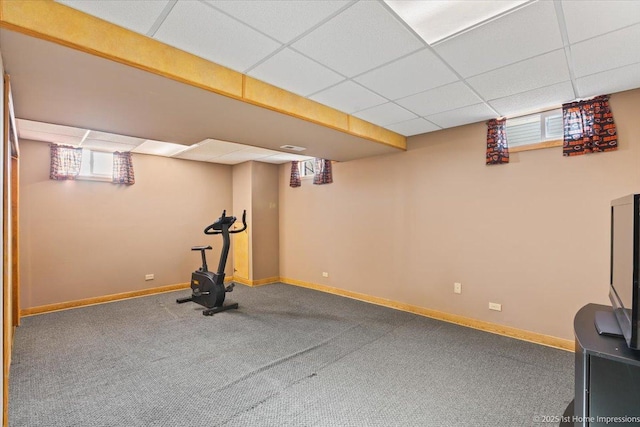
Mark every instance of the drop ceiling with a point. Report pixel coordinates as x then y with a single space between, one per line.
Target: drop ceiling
407 66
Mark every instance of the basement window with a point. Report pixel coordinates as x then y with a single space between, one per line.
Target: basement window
535 131
96 165
307 168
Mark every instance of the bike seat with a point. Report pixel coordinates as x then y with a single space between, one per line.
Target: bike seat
200 248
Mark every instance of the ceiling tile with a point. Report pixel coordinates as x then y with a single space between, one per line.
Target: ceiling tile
362 37
435 20
210 148
413 127
296 73
283 20
543 70
415 73
187 155
138 16
348 97
210 34
110 146
281 158
29 125
159 148
462 116
606 52
242 156
259 151
385 114
112 137
444 98
504 41
534 100
618 80
229 160
586 19
49 137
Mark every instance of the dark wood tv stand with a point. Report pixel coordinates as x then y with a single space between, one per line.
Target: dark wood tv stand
607 376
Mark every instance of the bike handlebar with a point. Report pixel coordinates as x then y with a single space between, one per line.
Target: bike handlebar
217 227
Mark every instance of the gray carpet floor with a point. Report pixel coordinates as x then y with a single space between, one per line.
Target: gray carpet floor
287 357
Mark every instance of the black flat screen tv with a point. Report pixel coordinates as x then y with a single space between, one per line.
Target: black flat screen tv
624 291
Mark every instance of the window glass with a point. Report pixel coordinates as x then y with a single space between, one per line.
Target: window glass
534 128
96 164
307 168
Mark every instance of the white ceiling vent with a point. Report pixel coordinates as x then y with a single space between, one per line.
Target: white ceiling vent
292 148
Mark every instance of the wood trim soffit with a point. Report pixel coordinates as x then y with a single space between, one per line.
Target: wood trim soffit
61 24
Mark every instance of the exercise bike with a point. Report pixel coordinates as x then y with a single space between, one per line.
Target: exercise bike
207 288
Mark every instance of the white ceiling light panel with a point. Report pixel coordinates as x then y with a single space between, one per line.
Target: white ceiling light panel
435 20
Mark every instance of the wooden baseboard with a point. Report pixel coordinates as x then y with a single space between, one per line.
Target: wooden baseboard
127 295
507 331
259 282
101 300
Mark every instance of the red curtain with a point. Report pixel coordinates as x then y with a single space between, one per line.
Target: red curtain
588 127
497 148
65 162
123 168
295 181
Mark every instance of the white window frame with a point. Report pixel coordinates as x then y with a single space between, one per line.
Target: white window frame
307 168
546 140
88 172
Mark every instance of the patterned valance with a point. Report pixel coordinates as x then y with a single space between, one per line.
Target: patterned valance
65 162
588 127
497 148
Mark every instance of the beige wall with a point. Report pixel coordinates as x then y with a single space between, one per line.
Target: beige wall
264 211
532 235
255 188
242 202
82 239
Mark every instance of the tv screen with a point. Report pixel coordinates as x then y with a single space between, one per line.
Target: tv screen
625 266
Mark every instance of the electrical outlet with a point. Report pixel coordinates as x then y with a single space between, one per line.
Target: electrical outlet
495 306
457 288
325 274
148 277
